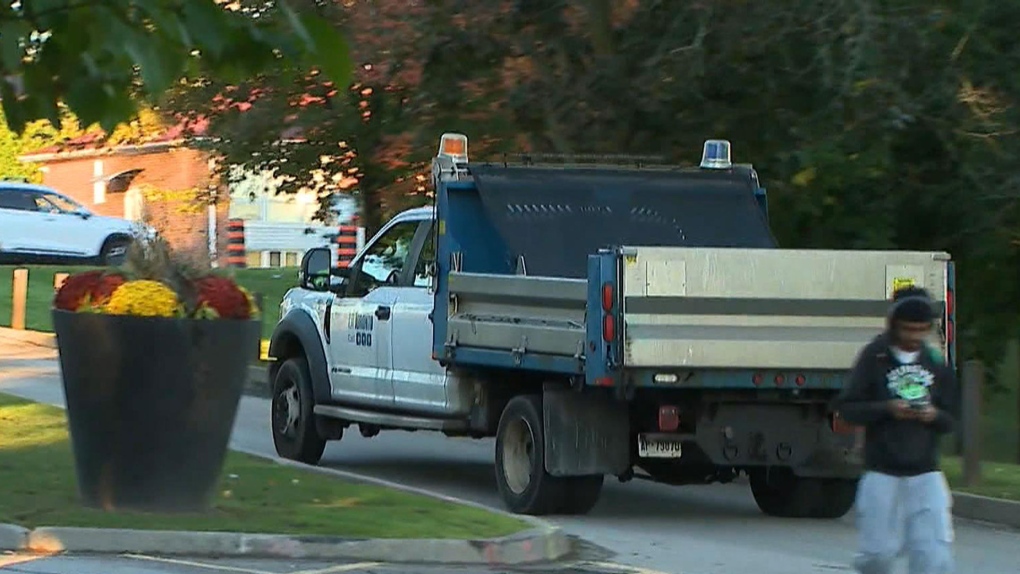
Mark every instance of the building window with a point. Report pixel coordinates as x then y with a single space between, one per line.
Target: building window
292 259
274 258
253 259
121 182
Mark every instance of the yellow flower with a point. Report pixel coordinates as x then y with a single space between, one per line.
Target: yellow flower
144 298
255 311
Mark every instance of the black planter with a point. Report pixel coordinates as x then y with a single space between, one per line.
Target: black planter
150 405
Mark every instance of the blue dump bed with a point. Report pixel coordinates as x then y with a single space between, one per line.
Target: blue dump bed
650 277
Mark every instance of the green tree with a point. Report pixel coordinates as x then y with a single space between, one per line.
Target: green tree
873 124
103 58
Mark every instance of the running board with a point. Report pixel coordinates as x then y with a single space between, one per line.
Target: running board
390 420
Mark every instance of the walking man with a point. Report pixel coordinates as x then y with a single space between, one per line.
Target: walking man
903 395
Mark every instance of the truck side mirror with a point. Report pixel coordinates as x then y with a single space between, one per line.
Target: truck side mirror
315 272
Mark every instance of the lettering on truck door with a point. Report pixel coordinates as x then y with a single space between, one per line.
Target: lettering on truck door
361 348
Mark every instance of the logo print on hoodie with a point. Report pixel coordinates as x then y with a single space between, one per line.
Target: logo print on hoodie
910 383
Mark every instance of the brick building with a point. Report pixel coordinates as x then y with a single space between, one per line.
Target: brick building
162 183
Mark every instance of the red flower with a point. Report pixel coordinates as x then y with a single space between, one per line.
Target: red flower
221 294
92 287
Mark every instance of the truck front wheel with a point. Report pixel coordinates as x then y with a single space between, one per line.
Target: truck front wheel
293 419
779 492
524 485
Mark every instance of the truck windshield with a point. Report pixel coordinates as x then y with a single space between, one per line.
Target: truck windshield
555 218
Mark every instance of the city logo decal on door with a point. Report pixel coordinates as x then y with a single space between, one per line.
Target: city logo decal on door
360 326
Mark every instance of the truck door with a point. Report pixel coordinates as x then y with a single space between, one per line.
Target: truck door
360 346
419 381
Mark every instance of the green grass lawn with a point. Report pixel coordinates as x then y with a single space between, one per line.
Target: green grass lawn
255 495
272 284
998 480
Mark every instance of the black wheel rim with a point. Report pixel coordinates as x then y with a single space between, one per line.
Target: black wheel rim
286 415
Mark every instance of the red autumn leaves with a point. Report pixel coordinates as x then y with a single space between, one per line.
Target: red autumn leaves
90 289
225 297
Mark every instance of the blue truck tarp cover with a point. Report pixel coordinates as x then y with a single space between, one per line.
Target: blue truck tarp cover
555 217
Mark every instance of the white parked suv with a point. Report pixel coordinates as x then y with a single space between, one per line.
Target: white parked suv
38 224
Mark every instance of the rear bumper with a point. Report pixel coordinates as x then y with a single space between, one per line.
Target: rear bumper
748 435
679 378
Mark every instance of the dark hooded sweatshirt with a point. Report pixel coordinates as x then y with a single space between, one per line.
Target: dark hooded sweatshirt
892 446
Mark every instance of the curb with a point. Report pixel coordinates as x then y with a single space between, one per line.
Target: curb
13 537
37 338
525 548
986 509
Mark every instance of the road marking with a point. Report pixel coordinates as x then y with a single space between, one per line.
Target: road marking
623 568
197 564
6 561
340 568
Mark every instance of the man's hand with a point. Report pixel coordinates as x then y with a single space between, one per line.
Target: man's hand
927 414
901 410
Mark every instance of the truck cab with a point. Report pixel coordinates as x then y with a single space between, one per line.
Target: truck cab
596 321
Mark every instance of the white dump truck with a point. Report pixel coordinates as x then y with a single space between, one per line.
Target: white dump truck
637 322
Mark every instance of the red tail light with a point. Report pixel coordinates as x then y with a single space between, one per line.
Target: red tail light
608 328
669 418
607 297
949 303
780 380
757 379
800 380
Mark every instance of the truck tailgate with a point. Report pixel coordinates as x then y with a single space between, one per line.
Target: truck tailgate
763 308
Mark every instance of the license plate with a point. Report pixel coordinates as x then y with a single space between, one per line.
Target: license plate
659 447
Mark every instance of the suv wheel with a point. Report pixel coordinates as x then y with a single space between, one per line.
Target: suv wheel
114 251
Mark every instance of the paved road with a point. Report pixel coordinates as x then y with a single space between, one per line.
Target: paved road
151 565
691 530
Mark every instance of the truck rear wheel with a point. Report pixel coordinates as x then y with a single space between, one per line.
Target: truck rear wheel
293 419
523 483
581 494
781 493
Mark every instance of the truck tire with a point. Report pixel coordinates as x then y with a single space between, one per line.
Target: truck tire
781 493
581 494
523 483
840 495
292 417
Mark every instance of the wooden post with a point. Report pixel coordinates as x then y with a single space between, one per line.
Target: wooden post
19 298
262 317
58 280
973 382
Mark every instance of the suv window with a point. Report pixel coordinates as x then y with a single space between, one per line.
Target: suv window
49 201
383 262
19 199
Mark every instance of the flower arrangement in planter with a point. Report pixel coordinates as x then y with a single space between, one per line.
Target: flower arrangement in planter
154 358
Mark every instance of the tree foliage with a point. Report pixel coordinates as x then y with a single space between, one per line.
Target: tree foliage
102 58
875 125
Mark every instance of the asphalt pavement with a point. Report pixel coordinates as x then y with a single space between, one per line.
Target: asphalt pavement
650 527
155 565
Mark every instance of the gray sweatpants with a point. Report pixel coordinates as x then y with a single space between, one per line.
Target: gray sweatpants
911 515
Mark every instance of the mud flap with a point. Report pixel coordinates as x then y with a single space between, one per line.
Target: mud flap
586 433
